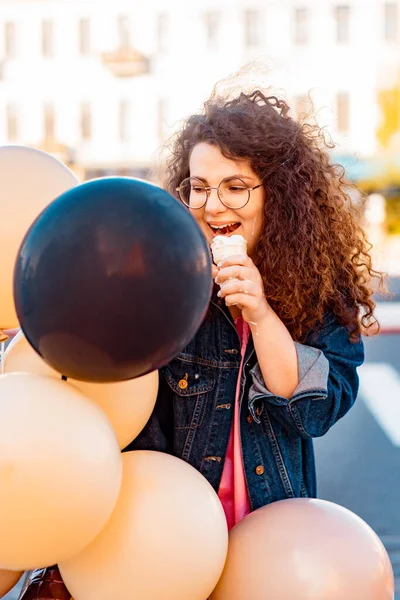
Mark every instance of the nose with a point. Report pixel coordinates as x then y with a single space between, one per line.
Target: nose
214 205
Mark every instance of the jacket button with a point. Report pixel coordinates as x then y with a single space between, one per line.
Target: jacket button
249 419
183 384
260 470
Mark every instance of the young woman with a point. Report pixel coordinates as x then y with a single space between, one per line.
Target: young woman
274 363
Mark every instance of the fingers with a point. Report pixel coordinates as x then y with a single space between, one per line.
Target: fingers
214 271
236 272
237 267
242 301
238 286
237 259
240 282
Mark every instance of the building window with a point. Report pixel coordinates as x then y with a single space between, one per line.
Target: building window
342 17
301 33
10 39
253 28
84 37
12 122
162 32
49 122
86 121
124 34
48 38
212 21
162 110
343 112
391 21
303 107
124 120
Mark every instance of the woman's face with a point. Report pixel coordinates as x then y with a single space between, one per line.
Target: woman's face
209 165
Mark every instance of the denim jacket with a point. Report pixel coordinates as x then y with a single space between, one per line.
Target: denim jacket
194 410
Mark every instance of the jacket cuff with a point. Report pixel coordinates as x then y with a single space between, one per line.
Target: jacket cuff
313 371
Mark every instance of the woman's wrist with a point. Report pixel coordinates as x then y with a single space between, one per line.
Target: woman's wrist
263 315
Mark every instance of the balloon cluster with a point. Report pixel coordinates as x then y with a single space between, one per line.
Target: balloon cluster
109 280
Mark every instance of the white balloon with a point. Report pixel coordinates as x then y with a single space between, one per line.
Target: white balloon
305 549
30 180
127 404
166 540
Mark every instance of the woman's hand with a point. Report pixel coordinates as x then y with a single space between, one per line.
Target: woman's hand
244 289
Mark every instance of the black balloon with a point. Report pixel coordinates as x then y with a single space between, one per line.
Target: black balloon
112 280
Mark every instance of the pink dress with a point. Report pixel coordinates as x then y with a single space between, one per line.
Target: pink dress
232 490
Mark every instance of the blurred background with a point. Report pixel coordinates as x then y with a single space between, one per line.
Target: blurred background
102 85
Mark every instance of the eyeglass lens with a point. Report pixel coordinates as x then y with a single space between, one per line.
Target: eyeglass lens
233 192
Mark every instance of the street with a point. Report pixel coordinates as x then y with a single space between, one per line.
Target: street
358 461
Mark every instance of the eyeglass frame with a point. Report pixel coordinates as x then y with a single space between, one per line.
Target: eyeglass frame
208 189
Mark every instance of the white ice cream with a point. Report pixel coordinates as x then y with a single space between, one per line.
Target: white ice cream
223 246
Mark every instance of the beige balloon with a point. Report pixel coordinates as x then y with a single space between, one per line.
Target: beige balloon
8 579
128 404
60 471
30 180
305 549
166 540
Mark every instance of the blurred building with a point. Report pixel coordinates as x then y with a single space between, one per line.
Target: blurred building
101 84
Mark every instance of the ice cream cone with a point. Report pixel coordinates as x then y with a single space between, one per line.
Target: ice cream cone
223 246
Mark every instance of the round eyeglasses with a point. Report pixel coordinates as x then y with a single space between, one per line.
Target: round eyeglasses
233 192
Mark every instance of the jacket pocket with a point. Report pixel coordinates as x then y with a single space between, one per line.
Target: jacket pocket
191 384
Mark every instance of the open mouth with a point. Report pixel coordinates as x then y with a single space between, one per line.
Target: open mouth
224 229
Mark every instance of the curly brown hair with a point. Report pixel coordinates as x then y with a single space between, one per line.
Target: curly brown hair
313 254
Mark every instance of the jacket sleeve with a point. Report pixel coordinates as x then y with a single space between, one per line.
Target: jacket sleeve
328 383
158 432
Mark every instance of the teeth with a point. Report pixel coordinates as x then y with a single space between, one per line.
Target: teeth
223 226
